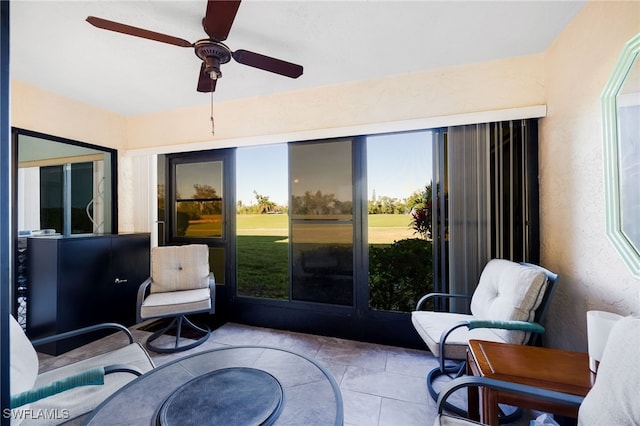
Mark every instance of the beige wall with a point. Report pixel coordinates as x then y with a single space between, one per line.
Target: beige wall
574 243
514 82
35 109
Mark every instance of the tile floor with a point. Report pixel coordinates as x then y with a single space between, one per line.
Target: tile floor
381 385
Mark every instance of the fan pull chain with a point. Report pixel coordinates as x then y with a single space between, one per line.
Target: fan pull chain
213 125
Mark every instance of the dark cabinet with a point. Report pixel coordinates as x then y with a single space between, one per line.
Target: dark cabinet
83 280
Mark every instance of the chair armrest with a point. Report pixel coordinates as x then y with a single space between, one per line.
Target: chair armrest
530 327
94 376
515 388
212 292
84 330
121 368
439 295
142 293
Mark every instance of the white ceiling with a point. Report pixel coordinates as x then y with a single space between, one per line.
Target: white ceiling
52 46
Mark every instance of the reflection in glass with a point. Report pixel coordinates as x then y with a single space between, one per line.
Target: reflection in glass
322 222
198 188
63 187
628 102
321 181
322 262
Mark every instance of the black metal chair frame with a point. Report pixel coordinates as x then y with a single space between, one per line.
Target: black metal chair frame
458 367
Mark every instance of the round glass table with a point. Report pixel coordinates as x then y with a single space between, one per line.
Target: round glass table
251 384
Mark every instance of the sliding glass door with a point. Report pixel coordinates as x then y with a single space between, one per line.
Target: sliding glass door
322 222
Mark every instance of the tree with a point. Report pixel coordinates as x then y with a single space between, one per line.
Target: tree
422 211
264 204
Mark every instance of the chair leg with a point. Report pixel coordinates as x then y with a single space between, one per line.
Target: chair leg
177 324
455 371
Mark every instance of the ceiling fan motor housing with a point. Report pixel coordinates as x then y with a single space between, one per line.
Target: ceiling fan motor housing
213 53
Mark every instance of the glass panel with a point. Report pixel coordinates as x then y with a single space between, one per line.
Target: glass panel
42 166
628 101
322 262
162 199
322 225
198 189
399 221
262 222
51 198
82 198
321 181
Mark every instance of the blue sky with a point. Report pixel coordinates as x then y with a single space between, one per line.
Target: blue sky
397 165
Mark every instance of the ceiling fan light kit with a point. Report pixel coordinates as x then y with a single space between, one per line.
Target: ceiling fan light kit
219 17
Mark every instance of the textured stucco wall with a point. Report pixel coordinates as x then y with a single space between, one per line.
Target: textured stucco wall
496 85
574 243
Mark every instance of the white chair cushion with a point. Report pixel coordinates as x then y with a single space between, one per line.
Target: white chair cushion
508 291
83 399
613 400
24 359
175 268
430 326
175 303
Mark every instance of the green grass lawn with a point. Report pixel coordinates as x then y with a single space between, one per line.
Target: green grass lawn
263 250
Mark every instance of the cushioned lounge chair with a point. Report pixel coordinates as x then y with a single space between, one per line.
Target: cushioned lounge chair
73 390
180 284
508 305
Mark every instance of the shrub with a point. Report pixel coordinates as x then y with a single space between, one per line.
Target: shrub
400 274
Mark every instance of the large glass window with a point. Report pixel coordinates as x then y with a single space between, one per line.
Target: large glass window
262 222
399 219
198 208
321 182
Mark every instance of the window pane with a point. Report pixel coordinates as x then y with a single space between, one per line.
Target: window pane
322 266
399 222
321 181
262 222
321 222
199 199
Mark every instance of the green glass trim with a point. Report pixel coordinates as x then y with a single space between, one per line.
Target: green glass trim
623 246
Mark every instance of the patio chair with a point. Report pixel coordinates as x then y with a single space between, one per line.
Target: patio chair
75 389
508 305
180 284
611 401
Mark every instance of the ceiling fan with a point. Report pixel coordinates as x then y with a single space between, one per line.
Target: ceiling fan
212 51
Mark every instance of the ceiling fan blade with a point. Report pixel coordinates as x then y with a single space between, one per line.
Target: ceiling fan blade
205 83
268 63
137 32
219 18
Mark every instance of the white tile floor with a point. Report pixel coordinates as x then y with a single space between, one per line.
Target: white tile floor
380 385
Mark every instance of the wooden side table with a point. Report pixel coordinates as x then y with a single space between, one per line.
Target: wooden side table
552 369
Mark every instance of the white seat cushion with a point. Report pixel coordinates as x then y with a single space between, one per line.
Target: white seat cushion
508 291
24 359
83 399
431 325
175 268
175 303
